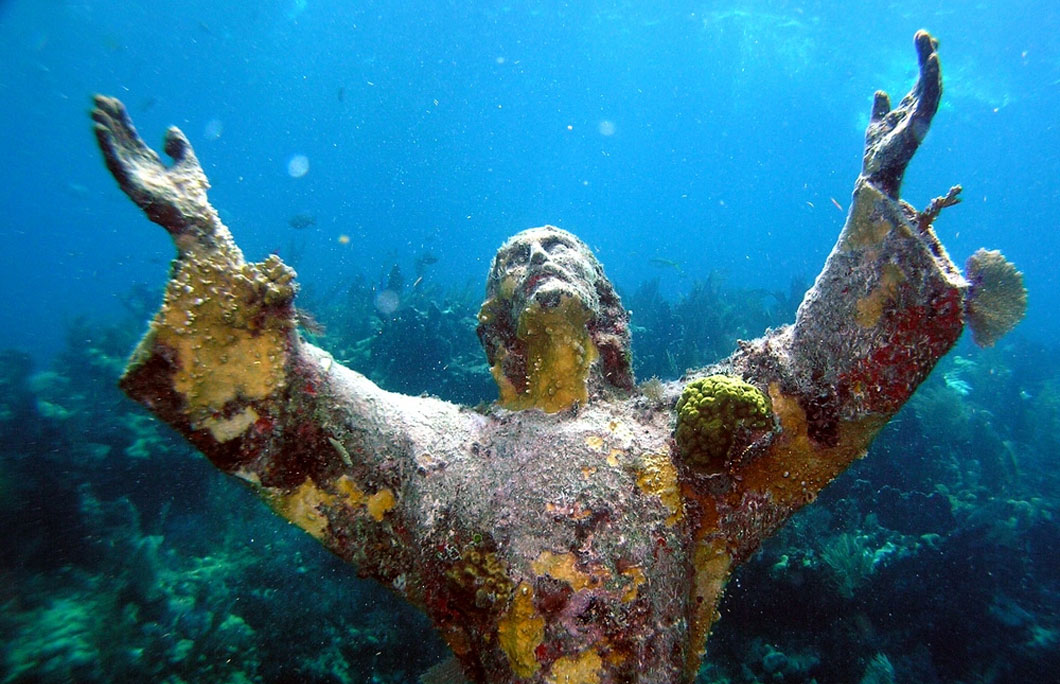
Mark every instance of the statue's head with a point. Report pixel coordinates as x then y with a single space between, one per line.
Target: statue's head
552 325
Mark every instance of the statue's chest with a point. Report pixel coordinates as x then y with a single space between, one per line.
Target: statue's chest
600 485
560 527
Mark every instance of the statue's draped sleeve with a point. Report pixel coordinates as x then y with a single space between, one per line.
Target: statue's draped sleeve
222 362
888 304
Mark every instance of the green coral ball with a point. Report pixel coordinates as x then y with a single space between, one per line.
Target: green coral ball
713 413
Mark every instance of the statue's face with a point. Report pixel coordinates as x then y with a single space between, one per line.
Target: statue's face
542 265
550 318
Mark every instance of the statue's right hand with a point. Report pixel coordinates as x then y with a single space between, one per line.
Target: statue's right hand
173 197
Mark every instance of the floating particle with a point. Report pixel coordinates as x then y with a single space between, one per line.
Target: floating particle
387 302
213 129
298 166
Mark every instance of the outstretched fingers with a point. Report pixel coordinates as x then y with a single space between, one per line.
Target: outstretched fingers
894 135
171 196
124 152
184 160
881 106
928 90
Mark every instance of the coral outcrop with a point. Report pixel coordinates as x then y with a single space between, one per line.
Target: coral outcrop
717 417
997 300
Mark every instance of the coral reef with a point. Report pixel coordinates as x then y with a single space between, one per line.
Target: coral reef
923 505
426 345
704 325
850 562
167 582
920 505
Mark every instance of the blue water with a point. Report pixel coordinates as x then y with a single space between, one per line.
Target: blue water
675 138
714 135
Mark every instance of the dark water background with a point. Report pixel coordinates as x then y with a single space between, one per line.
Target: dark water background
678 139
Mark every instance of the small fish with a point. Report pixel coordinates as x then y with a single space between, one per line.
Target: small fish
423 261
302 220
342 94
666 263
344 454
836 204
446 672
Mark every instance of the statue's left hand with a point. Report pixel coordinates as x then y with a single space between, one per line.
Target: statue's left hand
893 135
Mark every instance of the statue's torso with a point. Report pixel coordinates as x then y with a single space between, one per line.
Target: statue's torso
544 532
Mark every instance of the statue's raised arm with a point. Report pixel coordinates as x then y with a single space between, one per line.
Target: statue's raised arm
222 362
888 304
578 530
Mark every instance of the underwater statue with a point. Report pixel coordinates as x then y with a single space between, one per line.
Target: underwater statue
579 530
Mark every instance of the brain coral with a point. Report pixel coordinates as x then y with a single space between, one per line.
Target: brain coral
716 413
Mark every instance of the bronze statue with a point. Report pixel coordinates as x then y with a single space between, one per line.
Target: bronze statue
579 530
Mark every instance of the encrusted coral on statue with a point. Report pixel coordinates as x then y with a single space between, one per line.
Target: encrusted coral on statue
717 417
556 373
